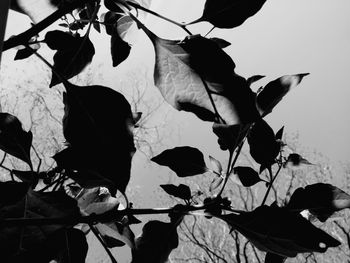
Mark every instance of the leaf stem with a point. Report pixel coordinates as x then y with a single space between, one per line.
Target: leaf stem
137 6
97 235
271 183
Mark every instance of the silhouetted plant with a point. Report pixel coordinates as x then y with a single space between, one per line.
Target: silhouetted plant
193 74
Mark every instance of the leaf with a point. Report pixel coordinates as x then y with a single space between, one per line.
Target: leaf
112 242
295 160
229 13
95 132
215 183
274 258
263 146
279 231
23 54
27 176
124 25
120 49
229 136
182 191
67 245
184 161
247 175
59 40
274 91
156 242
117 231
254 78
322 200
222 43
70 62
12 192
185 71
13 139
216 165
279 134
32 205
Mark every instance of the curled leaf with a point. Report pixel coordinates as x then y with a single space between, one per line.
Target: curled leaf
215 183
274 91
247 175
322 200
184 161
216 165
295 160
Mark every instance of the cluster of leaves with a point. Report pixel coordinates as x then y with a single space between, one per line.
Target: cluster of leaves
193 74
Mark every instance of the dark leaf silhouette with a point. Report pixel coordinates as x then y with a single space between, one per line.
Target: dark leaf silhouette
229 136
120 49
254 78
222 43
23 54
279 134
12 192
27 177
186 71
70 62
274 91
181 191
95 131
13 139
228 13
263 146
279 231
247 175
322 200
274 258
156 242
59 40
32 205
110 19
184 161
112 242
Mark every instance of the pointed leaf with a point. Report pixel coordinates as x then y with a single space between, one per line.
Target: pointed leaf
156 242
120 49
112 242
228 13
263 145
13 139
274 91
117 231
59 40
23 54
184 161
274 258
247 175
215 165
70 62
322 200
279 231
254 78
182 191
229 136
27 176
279 134
185 71
222 43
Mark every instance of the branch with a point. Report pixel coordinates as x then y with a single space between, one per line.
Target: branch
24 37
4 8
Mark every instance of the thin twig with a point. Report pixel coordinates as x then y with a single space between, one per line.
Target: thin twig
97 235
271 182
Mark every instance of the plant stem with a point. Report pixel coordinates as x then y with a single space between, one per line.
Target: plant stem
92 219
137 6
4 8
24 37
97 235
271 183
